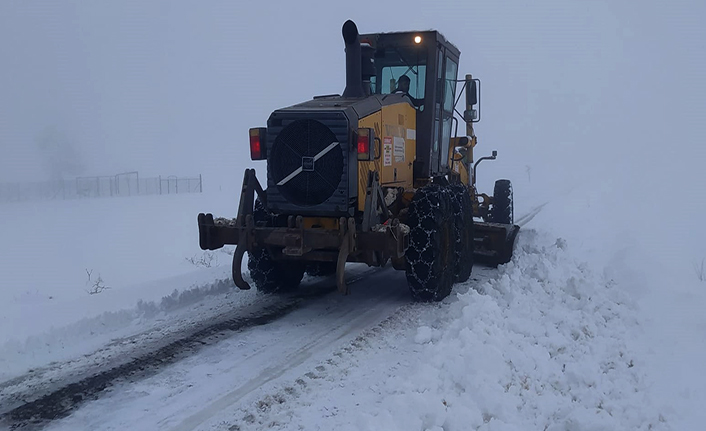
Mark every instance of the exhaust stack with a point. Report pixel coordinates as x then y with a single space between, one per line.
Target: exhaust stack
354 68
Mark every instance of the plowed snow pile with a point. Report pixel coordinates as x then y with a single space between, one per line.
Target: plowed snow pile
542 347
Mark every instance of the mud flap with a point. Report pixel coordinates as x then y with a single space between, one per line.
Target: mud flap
347 246
240 252
238 264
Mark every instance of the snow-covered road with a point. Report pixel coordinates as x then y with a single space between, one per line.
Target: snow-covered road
555 340
219 378
543 343
596 110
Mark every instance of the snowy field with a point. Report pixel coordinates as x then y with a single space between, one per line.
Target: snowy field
586 329
144 249
597 323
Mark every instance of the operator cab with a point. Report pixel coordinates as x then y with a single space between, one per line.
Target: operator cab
431 64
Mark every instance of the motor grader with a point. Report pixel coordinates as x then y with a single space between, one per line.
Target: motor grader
377 174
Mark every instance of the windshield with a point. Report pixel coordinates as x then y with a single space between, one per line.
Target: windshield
392 63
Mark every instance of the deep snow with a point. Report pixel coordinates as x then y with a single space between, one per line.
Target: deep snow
596 110
545 345
563 337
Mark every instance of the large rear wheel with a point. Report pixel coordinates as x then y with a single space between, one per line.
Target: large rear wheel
269 275
321 269
463 231
429 257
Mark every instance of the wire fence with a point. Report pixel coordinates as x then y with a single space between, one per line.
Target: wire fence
125 184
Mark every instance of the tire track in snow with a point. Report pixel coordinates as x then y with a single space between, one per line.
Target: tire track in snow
532 213
39 405
297 358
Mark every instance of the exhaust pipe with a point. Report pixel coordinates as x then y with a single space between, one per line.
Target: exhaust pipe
354 68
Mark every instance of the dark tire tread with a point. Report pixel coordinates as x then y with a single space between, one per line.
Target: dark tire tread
463 231
429 266
502 210
271 276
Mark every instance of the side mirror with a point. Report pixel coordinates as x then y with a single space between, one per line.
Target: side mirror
471 92
472 114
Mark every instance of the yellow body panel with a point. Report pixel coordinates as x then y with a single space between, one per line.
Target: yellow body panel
395 148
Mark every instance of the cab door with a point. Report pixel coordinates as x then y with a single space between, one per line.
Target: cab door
446 75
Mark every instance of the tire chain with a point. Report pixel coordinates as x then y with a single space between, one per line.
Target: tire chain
463 231
266 274
427 277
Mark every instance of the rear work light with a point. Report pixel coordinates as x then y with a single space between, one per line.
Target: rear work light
366 144
258 148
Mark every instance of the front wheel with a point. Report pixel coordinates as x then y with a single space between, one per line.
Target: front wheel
502 210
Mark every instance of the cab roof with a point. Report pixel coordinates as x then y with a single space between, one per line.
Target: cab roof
429 38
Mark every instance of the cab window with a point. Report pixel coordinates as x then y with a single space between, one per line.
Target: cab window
450 90
392 63
417 76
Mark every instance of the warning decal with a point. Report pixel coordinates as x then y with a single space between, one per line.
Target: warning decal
387 151
399 149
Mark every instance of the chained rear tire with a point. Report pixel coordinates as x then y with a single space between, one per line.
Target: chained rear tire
271 276
503 209
463 231
429 267
321 269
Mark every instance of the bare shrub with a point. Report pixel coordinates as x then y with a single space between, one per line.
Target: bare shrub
207 260
96 285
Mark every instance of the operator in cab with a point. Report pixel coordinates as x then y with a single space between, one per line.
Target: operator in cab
403 88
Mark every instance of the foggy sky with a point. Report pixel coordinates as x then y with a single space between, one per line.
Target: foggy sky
570 88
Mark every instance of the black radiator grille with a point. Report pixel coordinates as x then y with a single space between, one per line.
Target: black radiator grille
306 162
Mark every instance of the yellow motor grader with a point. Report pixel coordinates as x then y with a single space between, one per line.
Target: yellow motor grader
376 174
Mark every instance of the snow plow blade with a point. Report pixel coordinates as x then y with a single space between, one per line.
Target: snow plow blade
494 242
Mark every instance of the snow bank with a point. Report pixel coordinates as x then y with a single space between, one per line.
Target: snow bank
543 347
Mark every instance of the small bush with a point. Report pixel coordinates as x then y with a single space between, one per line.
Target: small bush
207 260
96 285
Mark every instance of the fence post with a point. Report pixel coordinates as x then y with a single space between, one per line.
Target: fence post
160 184
200 184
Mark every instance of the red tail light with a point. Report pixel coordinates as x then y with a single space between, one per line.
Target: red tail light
365 144
258 150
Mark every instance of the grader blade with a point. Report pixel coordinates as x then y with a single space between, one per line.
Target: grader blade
494 242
